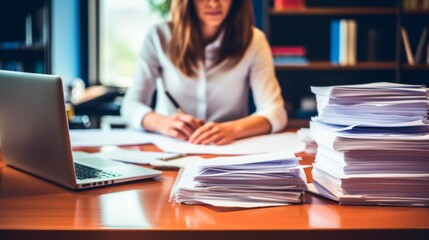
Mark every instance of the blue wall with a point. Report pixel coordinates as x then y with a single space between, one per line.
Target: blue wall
65 39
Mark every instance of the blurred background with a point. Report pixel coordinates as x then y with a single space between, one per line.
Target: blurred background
93 45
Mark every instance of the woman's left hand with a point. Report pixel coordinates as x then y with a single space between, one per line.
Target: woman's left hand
213 133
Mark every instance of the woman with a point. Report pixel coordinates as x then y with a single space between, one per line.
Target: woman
207 58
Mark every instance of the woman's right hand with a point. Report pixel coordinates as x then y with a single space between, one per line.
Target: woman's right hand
179 125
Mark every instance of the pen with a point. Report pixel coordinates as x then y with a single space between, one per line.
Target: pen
174 102
173 157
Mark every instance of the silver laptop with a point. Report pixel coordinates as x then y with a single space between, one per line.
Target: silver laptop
34 136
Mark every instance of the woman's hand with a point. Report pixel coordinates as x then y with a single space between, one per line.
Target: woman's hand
179 125
213 133
227 132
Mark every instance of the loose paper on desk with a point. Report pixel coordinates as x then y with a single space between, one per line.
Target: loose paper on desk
160 160
252 145
135 156
97 137
177 163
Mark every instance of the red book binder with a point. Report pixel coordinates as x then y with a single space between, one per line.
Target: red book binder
288 4
288 50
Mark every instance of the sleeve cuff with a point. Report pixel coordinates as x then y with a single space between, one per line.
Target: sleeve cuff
137 117
277 119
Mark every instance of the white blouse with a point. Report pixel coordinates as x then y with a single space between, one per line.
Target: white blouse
217 94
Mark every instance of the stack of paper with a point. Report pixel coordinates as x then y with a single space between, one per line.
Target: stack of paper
373 105
260 180
369 157
310 144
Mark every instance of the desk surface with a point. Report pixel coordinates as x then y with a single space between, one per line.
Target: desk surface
33 208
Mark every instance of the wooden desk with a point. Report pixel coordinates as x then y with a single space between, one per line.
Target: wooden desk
31 208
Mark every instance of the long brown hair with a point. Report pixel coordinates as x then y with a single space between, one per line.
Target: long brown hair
187 47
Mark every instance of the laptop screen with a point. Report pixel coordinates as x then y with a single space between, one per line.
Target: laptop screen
33 126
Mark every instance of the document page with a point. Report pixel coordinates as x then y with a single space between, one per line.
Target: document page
252 145
97 137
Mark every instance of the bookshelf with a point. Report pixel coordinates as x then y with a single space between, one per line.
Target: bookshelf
334 11
416 12
310 27
329 66
415 19
25 36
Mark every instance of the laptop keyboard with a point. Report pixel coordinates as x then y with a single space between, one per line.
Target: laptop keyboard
85 172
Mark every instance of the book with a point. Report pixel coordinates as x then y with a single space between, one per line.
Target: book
13 66
351 42
407 46
427 54
412 5
40 27
28 30
426 4
405 4
288 4
288 50
290 60
335 41
374 40
39 67
343 42
420 46
415 5
289 55
11 45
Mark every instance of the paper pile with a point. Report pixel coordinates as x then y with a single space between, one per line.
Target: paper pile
378 151
310 145
373 105
260 180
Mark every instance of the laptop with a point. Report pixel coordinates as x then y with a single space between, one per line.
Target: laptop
34 136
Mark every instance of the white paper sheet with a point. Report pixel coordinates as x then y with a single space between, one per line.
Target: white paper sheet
253 145
239 204
367 199
249 159
97 137
349 90
331 136
177 163
134 156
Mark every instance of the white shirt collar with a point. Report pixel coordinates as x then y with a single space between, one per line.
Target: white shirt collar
216 43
